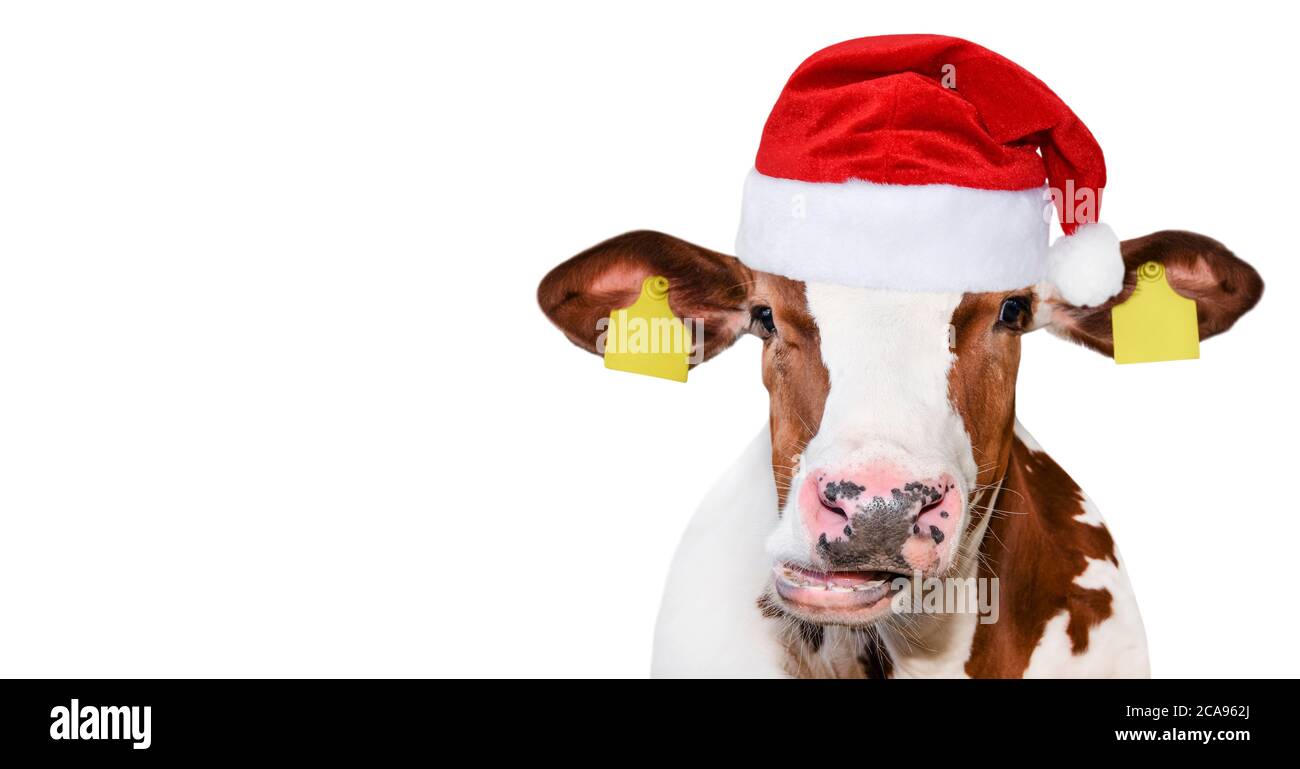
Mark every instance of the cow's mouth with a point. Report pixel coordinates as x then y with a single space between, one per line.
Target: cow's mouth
861 594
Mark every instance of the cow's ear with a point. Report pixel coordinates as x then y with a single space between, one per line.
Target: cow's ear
1200 268
705 285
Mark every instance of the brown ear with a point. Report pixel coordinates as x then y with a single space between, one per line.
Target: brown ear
704 284
1197 267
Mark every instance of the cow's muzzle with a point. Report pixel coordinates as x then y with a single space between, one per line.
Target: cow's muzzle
869 528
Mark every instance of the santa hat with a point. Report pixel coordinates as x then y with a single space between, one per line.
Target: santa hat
927 163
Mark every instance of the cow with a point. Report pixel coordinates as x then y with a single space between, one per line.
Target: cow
892 455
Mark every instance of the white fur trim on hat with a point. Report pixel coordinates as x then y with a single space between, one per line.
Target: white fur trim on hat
930 237
1086 268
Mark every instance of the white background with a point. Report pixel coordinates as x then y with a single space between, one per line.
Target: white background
276 399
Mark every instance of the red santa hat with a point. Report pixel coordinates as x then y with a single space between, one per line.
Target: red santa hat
927 163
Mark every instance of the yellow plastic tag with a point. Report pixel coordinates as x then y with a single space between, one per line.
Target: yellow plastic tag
647 338
1155 323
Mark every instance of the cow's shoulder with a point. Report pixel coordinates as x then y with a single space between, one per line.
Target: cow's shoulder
1067 608
709 622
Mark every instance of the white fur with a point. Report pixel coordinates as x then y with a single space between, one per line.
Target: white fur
931 237
1086 268
1090 515
709 623
1117 647
888 358
1025 437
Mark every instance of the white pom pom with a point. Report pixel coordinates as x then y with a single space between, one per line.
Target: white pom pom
1086 268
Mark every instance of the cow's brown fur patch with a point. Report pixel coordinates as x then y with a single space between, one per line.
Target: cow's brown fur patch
982 380
1036 548
794 374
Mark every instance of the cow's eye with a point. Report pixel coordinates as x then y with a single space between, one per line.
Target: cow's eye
763 318
1014 313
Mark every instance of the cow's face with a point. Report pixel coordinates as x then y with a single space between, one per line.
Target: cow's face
891 412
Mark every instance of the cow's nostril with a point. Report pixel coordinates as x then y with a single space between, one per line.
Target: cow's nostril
832 507
935 502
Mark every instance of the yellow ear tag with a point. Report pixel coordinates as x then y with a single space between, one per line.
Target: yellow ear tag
1155 323
647 338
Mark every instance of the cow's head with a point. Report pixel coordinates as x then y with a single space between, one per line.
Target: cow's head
891 412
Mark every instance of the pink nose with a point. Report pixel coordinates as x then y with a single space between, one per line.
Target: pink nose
873 512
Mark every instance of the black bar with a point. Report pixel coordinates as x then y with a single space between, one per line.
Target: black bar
237 718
